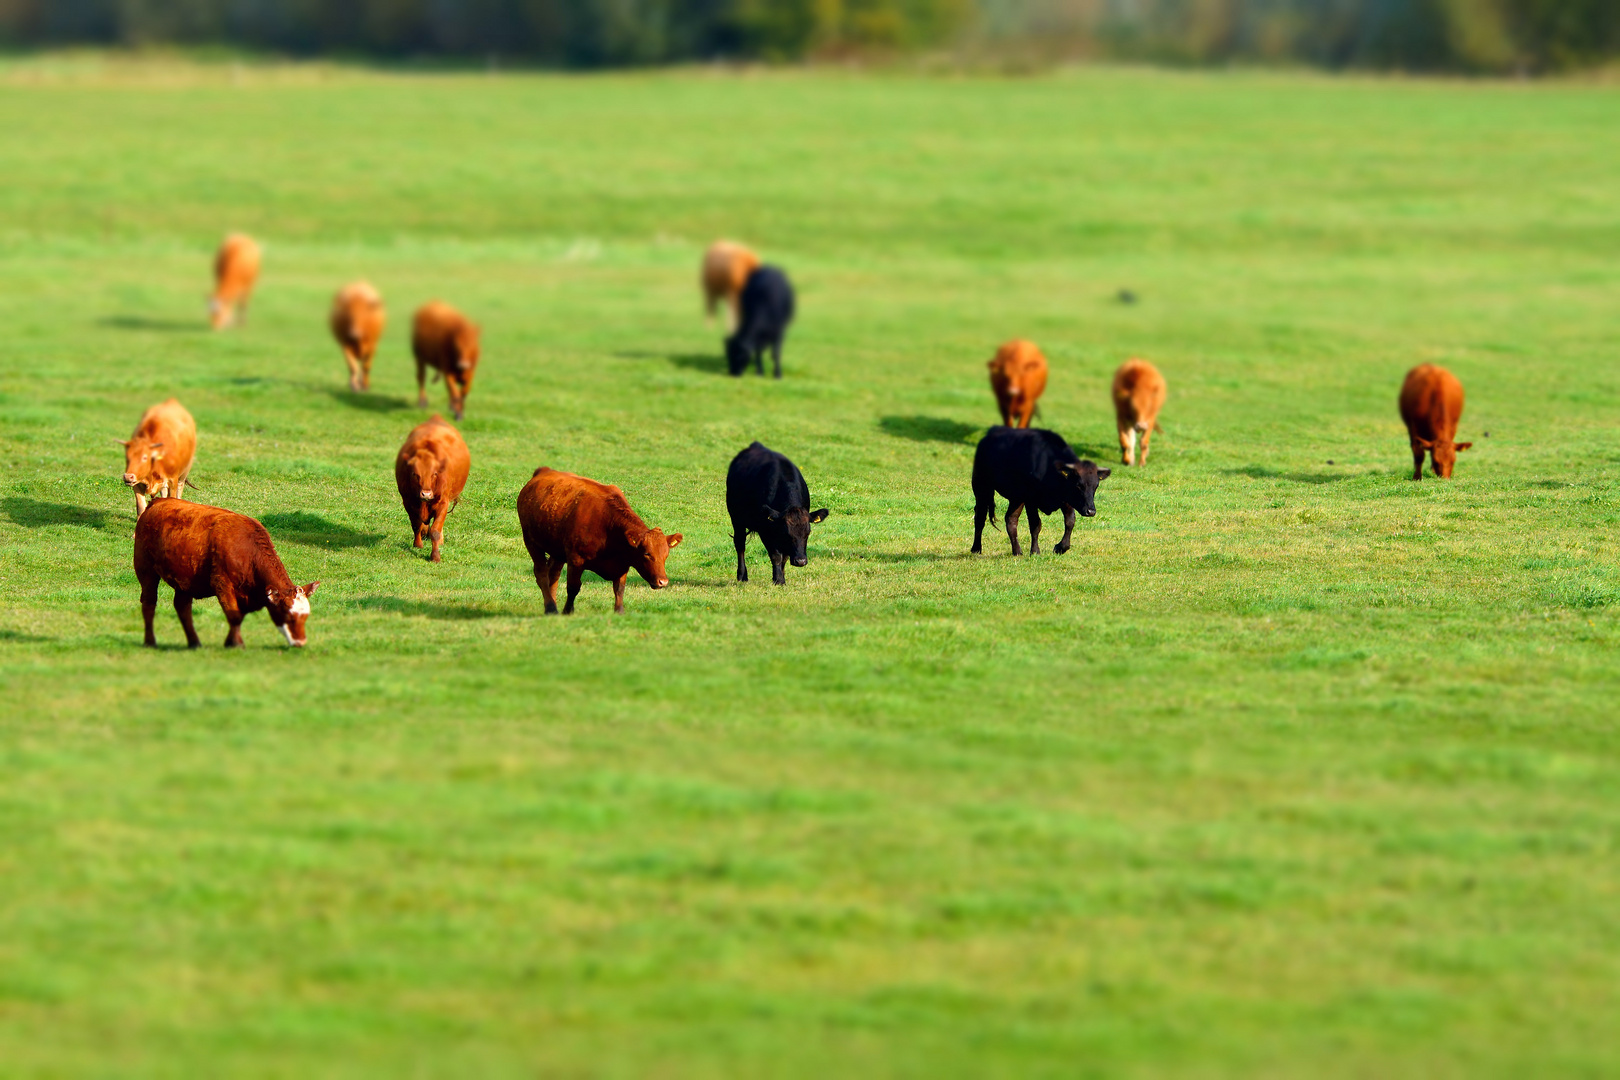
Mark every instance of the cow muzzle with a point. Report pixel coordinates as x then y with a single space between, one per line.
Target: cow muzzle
1089 511
662 582
427 496
131 480
800 560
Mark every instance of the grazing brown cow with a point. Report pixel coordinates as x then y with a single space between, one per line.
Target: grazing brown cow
203 551
569 520
1139 394
431 471
1017 378
445 341
157 458
357 322
236 268
1431 405
726 267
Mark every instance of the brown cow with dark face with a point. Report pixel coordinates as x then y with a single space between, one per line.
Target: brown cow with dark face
1017 378
1431 405
157 457
357 321
445 341
431 472
726 267
236 269
570 521
203 551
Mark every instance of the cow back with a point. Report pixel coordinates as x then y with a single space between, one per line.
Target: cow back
445 444
1431 403
236 267
760 477
194 547
572 517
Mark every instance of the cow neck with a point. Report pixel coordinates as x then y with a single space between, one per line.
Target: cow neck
268 570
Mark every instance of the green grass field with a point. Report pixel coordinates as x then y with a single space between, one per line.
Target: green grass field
1290 767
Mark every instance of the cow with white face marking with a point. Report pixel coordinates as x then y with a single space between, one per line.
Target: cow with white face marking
766 494
157 457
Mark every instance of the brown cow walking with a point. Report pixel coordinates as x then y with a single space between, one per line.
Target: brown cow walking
571 521
726 267
1139 393
357 321
443 339
1017 378
431 472
203 551
1431 405
158 456
236 268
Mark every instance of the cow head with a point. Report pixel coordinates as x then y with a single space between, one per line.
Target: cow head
1443 452
1080 480
425 468
290 612
649 554
737 355
219 313
789 530
140 458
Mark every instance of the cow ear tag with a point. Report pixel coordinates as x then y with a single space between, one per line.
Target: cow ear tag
1103 474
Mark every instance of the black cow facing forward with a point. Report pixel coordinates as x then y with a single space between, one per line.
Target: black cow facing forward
1037 471
766 494
767 308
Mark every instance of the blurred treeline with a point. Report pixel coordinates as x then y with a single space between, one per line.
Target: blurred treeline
1524 36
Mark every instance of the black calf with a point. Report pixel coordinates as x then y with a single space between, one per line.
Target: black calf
766 494
1037 471
767 308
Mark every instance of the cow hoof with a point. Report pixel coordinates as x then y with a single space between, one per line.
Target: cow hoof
1060 549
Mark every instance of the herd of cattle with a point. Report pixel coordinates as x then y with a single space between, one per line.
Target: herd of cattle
575 522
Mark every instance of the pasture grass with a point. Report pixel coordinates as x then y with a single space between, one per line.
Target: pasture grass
1291 766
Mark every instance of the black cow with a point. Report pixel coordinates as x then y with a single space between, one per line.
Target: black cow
767 308
1034 469
766 494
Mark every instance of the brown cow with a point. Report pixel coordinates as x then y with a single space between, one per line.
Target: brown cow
357 322
203 551
570 520
443 339
157 457
1017 378
1139 393
726 267
431 471
1431 405
236 268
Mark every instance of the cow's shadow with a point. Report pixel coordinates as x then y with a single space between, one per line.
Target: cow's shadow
367 401
302 527
35 514
397 605
1262 472
147 322
928 429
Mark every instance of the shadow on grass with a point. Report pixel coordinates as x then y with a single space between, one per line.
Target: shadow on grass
147 322
18 635
396 605
367 401
1261 472
904 558
300 527
713 363
928 428
34 514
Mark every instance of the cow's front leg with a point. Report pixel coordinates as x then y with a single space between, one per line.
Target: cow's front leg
365 371
438 536
1034 516
149 587
1417 462
233 616
180 488
759 361
779 568
418 522
576 577
182 608
1147 437
1012 527
618 593
740 538
353 362
1127 445
1068 530
140 504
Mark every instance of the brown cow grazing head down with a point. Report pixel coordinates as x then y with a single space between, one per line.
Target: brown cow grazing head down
1017 378
290 613
650 552
1431 405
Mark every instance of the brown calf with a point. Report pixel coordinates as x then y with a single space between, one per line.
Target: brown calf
357 322
443 339
203 551
236 268
157 458
726 267
1139 393
1431 405
569 520
431 471
1017 378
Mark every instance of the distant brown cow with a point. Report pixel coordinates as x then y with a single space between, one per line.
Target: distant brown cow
443 339
203 551
726 267
357 322
236 268
157 458
1139 394
431 471
569 520
1017 378
1431 405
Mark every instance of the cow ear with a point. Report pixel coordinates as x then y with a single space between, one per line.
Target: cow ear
817 516
1464 445
1103 474
770 515
673 538
270 595
309 590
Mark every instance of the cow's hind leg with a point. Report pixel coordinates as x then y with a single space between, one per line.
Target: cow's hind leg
545 577
182 608
1068 531
779 568
984 506
1034 516
1147 437
576 577
739 537
776 355
1012 527
149 587
1417 463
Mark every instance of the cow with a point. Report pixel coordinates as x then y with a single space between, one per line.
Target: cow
157 457
357 321
236 268
1035 470
431 472
767 309
444 340
1017 378
203 551
726 267
1431 404
571 521
1139 394
766 494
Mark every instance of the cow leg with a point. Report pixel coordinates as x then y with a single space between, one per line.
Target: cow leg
1012 527
458 395
353 362
776 355
739 537
576 576
618 593
984 506
438 536
545 576
140 506
365 371
1068 530
182 608
1127 445
778 568
149 586
233 616
421 385
1034 516
1417 463
1147 437
180 487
